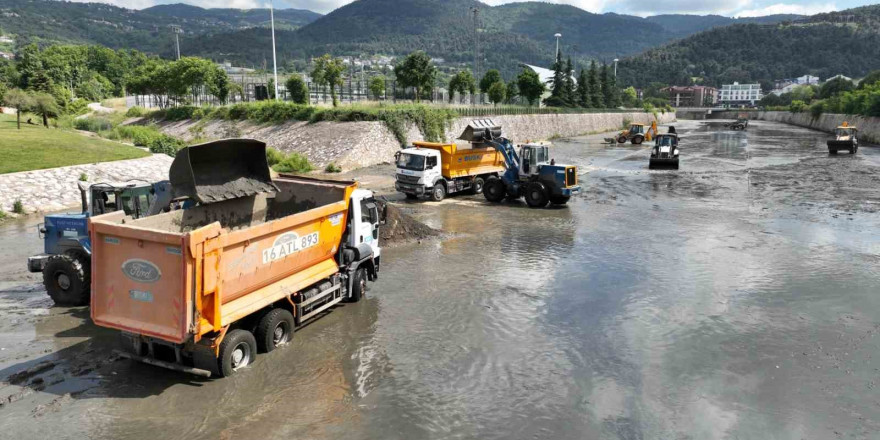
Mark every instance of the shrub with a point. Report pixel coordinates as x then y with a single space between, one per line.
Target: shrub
626 123
274 156
95 124
164 144
135 112
83 177
797 106
817 108
17 207
2 214
294 163
333 168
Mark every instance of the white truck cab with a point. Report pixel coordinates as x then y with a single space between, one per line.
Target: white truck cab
366 216
418 170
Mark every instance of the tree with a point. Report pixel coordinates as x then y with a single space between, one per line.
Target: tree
568 85
870 79
491 77
297 88
270 88
835 87
558 96
512 92
20 100
497 92
328 72
595 88
45 106
610 92
530 85
416 71
377 86
582 93
605 85
462 82
802 93
630 97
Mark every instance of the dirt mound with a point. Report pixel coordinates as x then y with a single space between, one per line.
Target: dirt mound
401 228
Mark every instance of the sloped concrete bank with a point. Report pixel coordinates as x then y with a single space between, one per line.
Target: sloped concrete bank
869 128
353 145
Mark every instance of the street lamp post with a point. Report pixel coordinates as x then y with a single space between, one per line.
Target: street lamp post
615 67
274 58
558 36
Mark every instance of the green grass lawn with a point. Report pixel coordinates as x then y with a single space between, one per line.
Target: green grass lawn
35 147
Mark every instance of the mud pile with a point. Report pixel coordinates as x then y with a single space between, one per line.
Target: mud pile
402 228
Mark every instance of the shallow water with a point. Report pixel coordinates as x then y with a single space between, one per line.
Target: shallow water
719 301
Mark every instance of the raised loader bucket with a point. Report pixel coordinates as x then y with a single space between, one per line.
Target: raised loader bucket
481 130
221 170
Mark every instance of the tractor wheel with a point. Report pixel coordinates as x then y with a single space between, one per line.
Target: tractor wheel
638 140
494 190
66 281
852 150
478 185
438 193
536 195
621 139
559 200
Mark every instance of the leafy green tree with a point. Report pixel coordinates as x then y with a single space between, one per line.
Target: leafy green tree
835 87
44 105
802 93
377 86
328 71
630 97
870 79
582 93
491 77
461 83
416 71
530 85
512 92
497 92
596 98
297 88
20 100
270 87
568 85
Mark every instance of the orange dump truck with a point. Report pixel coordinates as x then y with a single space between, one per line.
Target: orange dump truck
436 169
202 290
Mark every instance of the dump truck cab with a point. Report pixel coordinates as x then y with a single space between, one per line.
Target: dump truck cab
65 261
846 137
417 171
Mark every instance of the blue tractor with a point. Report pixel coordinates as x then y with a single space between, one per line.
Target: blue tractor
66 261
530 173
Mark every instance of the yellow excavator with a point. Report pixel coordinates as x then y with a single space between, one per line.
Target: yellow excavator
637 133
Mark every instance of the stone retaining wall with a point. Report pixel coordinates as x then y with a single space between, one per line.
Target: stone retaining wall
352 145
56 188
869 128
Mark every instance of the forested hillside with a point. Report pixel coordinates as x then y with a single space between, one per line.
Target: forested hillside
846 42
682 25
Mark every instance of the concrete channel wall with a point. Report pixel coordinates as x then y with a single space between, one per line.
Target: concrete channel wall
352 145
869 128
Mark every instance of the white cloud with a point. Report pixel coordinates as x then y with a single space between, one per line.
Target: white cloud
789 8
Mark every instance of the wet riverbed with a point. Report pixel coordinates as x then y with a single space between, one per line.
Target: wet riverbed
734 298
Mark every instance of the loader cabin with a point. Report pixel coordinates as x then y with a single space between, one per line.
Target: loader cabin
845 132
637 129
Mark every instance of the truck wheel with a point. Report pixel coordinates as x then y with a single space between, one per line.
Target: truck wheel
411 196
637 140
66 282
274 330
536 195
479 183
832 151
359 287
559 200
237 351
438 193
494 190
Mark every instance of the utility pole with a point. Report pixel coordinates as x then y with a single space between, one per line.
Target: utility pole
177 30
274 59
558 36
615 67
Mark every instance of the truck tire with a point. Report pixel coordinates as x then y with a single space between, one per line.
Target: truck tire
411 196
559 200
832 151
494 190
66 281
274 330
638 140
359 287
536 195
237 351
438 193
478 185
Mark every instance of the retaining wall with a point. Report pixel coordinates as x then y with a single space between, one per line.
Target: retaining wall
869 127
352 145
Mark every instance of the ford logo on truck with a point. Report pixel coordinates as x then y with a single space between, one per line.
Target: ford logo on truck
141 271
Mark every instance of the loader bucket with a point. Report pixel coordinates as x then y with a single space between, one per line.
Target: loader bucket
221 170
843 145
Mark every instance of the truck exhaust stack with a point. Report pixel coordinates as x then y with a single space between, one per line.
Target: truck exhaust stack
221 170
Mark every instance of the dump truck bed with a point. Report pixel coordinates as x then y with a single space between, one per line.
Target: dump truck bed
461 161
180 275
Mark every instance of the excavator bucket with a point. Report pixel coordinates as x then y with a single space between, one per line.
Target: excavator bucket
481 130
221 170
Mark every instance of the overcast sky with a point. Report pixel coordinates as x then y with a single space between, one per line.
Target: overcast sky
632 7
